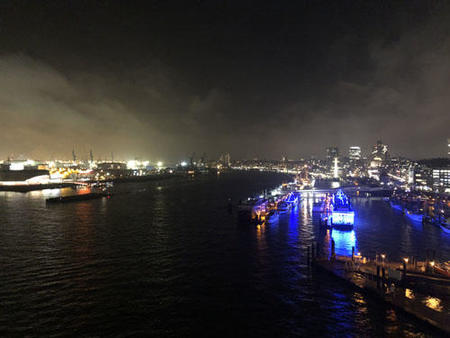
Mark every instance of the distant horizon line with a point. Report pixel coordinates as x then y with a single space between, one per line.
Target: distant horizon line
255 158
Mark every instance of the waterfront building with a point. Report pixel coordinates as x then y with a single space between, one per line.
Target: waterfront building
421 177
441 179
111 166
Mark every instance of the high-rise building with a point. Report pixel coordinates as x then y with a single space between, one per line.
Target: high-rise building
380 150
225 159
421 177
448 146
380 154
332 153
354 153
441 179
335 168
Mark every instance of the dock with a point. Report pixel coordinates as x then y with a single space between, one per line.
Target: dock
408 286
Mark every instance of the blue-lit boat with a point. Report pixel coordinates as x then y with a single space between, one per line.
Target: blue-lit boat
414 216
292 199
283 207
445 226
342 215
272 217
442 223
396 206
411 208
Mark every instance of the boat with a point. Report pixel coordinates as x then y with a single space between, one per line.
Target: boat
396 205
445 226
412 207
252 209
283 207
292 199
414 216
272 216
78 197
342 214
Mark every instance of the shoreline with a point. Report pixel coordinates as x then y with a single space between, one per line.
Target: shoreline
35 187
132 179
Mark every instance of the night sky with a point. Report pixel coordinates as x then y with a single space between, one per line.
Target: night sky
163 79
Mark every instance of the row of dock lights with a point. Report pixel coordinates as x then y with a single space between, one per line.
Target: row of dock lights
405 260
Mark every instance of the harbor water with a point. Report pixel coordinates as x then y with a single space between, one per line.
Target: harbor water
170 258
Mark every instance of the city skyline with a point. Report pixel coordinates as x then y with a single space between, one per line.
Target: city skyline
165 80
235 168
351 152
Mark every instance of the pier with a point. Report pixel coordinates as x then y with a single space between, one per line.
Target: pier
416 287
420 288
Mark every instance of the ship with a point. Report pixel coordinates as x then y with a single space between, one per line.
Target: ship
411 207
341 214
21 176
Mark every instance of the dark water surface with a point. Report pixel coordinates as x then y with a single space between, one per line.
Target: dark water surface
168 259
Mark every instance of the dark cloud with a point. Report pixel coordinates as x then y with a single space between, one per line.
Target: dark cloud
168 79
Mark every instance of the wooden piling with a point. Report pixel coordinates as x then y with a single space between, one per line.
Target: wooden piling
378 276
404 271
333 253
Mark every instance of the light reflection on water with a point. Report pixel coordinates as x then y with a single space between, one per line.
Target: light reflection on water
434 303
175 262
380 229
344 242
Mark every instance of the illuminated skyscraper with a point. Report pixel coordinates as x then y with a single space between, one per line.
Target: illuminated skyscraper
380 154
335 168
380 150
354 153
441 179
332 153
